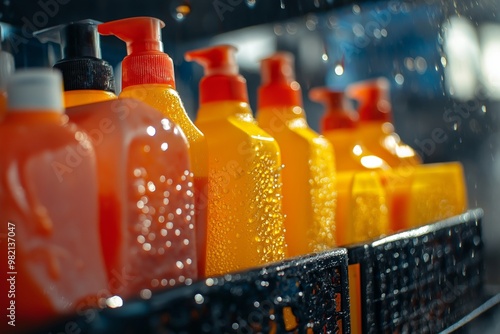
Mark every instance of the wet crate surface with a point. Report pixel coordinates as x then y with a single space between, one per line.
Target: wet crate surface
313 288
423 280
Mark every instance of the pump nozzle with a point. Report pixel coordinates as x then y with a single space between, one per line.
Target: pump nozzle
339 111
278 87
222 81
146 62
373 98
81 63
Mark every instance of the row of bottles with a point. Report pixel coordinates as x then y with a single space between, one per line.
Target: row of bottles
126 194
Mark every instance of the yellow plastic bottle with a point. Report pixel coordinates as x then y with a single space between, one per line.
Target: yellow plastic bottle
246 226
6 69
309 190
148 75
87 78
438 191
375 129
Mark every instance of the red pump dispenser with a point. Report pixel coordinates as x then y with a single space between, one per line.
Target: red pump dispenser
339 113
146 62
222 81
279 88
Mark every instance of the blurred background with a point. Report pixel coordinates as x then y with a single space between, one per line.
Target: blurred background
442 59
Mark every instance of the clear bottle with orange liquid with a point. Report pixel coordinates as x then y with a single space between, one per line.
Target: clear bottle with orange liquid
148 76
246 225
87 78
49 233
309 190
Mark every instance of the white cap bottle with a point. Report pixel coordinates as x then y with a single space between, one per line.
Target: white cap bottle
35 89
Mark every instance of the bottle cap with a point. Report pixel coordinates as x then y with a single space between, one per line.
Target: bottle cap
339 111
278 87
222 81
145 63
7 66
373 98
35 89
81 64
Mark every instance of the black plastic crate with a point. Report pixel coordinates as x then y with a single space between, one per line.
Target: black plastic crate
419 281
314 289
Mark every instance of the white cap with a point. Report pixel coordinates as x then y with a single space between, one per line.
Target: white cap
6 68
35 89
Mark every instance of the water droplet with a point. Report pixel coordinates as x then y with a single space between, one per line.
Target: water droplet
251 3
339 69
282 4
151 131
182 10
145 293
114 302
399 78
199 299
483 108
356 9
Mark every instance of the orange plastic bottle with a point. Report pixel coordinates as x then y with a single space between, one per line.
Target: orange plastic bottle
375 129
309 190
146 195
340 125
87 78
6 69
148 75
246 228
49 235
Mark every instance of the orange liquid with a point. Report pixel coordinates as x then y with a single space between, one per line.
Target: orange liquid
48 191
146 189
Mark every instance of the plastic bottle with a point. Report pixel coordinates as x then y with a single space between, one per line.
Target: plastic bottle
87 78
339 125
49 233
438 191
148 75
356 215
375 123
146 195
309 190
6 69
246 228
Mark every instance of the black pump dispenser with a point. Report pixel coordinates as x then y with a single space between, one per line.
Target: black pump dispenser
81 63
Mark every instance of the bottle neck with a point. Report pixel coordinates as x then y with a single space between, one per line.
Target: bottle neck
222 110
75 98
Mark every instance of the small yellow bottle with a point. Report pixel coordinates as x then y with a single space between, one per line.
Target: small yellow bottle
375 129
339 125
246 226
148 76
438 191
309 191
87 78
